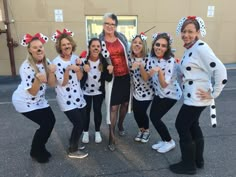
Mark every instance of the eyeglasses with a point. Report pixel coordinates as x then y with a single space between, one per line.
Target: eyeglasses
160 45
110 24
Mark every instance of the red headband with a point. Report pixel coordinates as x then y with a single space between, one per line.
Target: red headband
28 38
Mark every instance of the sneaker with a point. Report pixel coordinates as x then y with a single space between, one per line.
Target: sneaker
167 147
98 138
122 132
158 145
81 147
139 136
111 147
145 137
85 138
78 154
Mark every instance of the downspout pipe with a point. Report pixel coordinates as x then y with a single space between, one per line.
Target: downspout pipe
10 42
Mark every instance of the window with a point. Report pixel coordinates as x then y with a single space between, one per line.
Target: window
127 25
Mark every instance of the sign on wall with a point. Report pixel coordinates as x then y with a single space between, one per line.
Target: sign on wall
58 13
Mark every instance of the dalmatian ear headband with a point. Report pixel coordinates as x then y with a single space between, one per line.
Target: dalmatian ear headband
198 19
27 38
58 33
155 35
142 36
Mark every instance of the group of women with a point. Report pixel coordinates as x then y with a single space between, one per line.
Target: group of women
128 79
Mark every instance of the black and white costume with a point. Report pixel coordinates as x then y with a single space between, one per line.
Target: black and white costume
94 89
70 99
165 98
22 100
143 93
35 108
69 96
197 66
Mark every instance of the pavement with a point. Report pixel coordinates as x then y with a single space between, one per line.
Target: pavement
131 159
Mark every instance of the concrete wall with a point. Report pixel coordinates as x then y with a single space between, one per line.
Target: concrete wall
32 16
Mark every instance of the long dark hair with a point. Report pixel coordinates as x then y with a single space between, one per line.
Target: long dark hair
101 58
168 54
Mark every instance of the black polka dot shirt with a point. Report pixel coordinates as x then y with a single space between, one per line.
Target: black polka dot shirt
141 90
169 67
197 67
69 96
22 100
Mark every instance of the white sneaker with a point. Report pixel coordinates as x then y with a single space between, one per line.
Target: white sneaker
158 145
85 138
167 147
78 154
98 138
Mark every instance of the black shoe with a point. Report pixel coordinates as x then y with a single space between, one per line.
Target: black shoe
200 164
181 168
187 164
39 156
46 153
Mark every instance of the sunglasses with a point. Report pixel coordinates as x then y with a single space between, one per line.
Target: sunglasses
160 45
110 24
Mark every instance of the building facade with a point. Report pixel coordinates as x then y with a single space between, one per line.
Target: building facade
84 18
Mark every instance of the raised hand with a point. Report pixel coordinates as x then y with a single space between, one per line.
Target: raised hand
41 77
110 68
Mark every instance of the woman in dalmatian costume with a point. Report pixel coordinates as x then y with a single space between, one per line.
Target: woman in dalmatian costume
96 72
68 92
199 64
29 98
142 90
118 90
162 68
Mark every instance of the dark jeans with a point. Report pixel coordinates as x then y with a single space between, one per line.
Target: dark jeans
160 106
46 120
97 109
77 117
187 123
140 113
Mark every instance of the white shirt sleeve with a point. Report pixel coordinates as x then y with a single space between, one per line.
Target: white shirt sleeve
216 69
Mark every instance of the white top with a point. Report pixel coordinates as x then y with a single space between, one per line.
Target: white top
22 100
92 84
141 90
198 65
69 96
169 67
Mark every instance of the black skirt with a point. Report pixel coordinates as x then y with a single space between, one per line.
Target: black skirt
120 90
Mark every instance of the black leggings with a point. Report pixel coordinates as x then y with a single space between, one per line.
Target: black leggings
77 117
46 120
187 123
140 113
160 106
97 106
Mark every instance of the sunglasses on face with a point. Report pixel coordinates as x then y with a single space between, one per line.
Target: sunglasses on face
110 24
160 45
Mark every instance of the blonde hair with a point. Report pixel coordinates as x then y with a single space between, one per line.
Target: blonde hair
144 49
33 61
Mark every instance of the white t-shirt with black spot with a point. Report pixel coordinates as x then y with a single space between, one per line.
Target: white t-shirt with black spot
169 67
142 90
22 100
197 66
93 83
69 96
